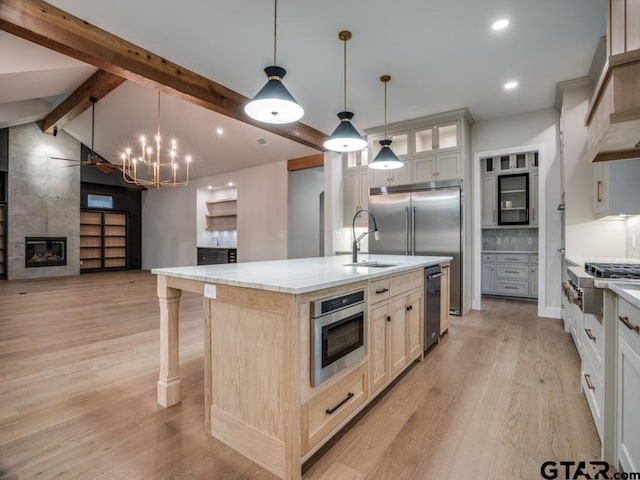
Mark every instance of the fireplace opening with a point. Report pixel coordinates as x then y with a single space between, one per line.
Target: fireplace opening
45 251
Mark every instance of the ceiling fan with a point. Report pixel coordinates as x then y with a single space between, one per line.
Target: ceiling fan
93 159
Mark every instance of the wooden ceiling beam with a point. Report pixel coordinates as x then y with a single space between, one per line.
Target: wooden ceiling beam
302 163
46 25
96 86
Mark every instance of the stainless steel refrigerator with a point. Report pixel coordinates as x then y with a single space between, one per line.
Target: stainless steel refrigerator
422 219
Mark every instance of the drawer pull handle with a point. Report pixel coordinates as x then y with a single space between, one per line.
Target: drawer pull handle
382 290
589 334
587 378
624 319
329 411
512 271
507 287
511 259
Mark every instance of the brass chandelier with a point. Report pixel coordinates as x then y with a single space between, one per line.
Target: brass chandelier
152 167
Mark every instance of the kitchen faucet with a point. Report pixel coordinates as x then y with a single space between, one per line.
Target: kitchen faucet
376 233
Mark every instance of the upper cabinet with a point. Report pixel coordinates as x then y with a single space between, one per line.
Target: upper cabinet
432 148
624 199
613 119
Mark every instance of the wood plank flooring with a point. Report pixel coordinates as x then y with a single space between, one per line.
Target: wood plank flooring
497 397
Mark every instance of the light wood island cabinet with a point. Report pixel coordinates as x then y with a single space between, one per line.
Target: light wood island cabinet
258 394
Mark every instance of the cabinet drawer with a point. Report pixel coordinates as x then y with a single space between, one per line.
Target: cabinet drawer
406 281
488 257
378 290
593 340
631 315
512 287
592 386
328 409
518 272
512 258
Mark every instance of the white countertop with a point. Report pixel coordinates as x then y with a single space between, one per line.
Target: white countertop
223 247
299 275
628 290
580 261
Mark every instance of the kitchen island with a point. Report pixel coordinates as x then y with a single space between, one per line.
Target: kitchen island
259 397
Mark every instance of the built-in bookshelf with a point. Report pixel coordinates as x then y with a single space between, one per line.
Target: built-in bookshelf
3 211
103 240
222 215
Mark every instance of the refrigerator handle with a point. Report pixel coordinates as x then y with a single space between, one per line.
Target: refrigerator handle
413 230
406 230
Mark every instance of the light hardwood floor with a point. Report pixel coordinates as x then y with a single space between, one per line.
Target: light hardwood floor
497 397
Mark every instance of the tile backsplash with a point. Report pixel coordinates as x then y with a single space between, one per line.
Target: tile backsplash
633 237
510 239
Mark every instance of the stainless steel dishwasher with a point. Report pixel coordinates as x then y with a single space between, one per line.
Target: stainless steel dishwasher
432 289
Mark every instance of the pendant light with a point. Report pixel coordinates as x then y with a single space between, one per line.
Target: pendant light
273 103
385 159
345 138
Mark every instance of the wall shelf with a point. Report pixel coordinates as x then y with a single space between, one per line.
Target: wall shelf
222 215
103 240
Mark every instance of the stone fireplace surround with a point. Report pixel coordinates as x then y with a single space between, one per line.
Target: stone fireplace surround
43 198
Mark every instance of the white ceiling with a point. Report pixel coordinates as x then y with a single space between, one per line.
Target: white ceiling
441 55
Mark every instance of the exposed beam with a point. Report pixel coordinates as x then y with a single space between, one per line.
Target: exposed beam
97 86
302 163
46 25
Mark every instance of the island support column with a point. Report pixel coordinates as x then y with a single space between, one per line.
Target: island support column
169 389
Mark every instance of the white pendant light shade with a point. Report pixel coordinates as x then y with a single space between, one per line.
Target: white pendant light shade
385 159
345 138
273 103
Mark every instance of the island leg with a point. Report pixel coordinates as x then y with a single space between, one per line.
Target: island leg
169 391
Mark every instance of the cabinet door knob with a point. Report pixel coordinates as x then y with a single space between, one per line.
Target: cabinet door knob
388 318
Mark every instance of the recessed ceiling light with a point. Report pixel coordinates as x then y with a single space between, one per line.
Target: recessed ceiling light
510 85
209 187
500 24
219 131
230 184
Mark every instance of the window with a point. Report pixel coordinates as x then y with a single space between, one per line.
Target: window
99 201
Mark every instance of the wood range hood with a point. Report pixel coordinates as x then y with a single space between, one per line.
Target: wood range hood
613 119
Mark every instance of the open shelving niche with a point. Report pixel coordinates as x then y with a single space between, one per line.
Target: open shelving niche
103 240
217 214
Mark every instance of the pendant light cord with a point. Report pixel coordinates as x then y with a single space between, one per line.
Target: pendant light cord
345 75
158 116
385 110
275 29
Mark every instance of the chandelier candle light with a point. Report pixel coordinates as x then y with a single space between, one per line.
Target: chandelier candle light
385 159
148 168
345 138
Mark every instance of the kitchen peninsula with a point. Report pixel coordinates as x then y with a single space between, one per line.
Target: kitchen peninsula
259 336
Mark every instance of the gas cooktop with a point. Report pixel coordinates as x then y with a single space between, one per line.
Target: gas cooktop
613 270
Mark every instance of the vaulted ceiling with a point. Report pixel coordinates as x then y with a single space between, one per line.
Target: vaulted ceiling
441 54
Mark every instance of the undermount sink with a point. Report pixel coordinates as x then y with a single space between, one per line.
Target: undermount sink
370 264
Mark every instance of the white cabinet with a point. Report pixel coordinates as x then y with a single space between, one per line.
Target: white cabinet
440 137
356 195
437 167
615 188
489 198
628 387
533 198
510 274
398 176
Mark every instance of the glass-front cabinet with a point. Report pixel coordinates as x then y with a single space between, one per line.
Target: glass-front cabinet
513 199
436 137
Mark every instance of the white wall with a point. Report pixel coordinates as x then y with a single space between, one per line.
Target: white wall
169 217
304 190
539 127
585 236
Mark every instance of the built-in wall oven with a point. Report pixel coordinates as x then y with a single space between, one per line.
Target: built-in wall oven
338 334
